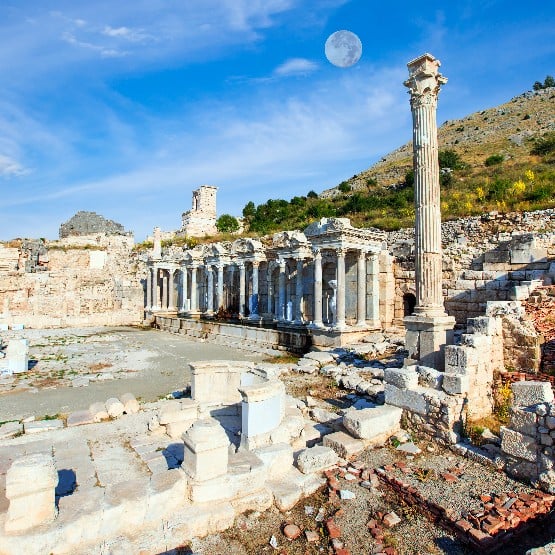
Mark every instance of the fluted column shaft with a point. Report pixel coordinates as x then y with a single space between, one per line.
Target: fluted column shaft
281 297
299 292
156 288
210 295
148 289
194 292
220 299
183 288
270 292
171 289
361 288
254 298
317 322
242 287
165 290
373 316
424 83
340 319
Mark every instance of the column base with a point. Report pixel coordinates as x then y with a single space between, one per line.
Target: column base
426 337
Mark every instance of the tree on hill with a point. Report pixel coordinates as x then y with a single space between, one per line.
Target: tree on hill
548 82
227 224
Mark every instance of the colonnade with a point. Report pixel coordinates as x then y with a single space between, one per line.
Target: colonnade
293 289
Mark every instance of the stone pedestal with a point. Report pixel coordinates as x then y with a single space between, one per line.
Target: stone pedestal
426 338
17 355
30 488
206 450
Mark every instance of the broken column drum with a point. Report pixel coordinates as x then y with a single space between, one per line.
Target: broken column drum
427 327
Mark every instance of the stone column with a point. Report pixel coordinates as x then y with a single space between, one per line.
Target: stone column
210 291
373 312
427 327
156 288
148 289
281 293
171 290
184 304
361 289
318 323
340 319
242 287
194 293
220 296
164 290
157 244
270 291
299 292
254 299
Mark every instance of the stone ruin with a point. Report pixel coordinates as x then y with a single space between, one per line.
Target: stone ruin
89 223
201 219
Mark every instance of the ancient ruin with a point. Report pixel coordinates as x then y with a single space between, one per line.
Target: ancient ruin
407 345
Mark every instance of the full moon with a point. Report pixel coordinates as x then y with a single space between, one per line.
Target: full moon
343 49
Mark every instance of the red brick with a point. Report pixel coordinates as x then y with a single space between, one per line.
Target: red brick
492 526
333 483
342 551
485 498
449 477
372 523
333 530
463 525
479 536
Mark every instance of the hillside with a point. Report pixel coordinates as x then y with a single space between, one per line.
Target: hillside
500 158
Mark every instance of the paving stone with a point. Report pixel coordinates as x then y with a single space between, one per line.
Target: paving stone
80 417
42 426
10 429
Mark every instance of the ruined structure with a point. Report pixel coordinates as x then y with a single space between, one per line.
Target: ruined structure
89 223
201 219
328 279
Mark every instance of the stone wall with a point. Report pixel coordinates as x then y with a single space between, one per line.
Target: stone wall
83 281
493 257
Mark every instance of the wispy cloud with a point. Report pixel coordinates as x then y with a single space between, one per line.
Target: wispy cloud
10 167
295 66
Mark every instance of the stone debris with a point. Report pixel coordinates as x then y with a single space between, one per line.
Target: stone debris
114 407
10 429
292 532
80 417
391 519
316 459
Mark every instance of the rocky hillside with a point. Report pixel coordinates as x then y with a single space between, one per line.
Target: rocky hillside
506 130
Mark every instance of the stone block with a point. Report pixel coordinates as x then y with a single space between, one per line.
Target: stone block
322 358
178 411
316 459
114 407
206 450
484 325
125 505
42 426
344 445
30 489
371 423
17 355
10 429
98 411
258 501
176 429
518 445
211 490
429 377
277 459
458 357
130 404
456 384
403 378
80 417
523 420
409 399
528 393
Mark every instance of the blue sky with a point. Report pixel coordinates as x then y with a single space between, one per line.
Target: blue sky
125 108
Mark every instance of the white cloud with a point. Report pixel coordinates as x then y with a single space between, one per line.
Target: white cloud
131 35
10 168
296 66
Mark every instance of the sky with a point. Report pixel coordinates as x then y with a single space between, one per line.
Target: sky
124 108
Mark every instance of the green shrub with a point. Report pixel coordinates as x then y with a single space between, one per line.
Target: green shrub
227 224
312 194
449 159
494 160
544 145
344 187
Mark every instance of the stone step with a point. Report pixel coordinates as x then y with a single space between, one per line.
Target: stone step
376 424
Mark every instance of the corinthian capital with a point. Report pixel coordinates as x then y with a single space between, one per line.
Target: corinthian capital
424 79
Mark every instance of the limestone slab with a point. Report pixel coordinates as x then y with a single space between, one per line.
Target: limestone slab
373 422
518 445
403 378
528 393
344 445
80 417
42 426
316 459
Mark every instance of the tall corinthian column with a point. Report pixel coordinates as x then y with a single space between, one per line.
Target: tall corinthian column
148 306
427 327
220 292
242 285
317 322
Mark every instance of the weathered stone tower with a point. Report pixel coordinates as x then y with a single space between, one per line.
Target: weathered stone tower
201 219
